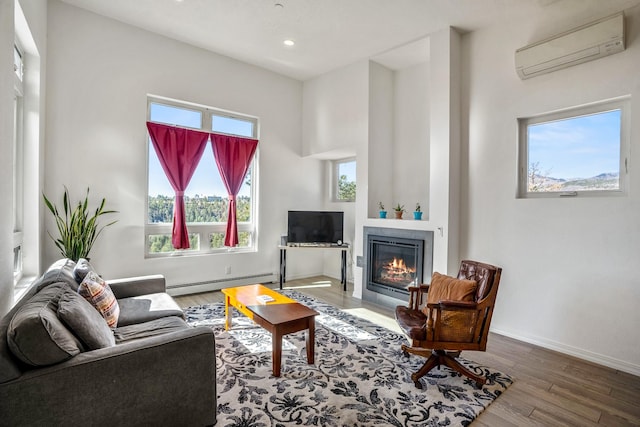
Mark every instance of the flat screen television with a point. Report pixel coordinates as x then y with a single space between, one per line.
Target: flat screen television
315 227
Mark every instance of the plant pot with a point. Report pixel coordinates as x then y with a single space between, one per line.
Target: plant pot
417 216
383 214
399 214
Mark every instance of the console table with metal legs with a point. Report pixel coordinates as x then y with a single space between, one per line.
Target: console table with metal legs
343 260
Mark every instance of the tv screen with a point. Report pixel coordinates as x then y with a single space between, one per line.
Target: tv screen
315 227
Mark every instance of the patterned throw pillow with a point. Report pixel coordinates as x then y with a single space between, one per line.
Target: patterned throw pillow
99 294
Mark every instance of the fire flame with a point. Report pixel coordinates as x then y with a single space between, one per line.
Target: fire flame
397 266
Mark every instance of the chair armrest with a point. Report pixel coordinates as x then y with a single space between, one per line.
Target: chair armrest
135 286
167 379
455 305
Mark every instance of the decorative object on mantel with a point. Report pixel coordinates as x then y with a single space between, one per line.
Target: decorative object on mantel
417 214
77 230
361 379
383 213
399 211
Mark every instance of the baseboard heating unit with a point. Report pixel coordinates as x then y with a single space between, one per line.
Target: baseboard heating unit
217 284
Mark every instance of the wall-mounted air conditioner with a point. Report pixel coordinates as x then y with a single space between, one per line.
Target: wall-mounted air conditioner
586 43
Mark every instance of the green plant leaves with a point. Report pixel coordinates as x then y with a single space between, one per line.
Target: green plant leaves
78 231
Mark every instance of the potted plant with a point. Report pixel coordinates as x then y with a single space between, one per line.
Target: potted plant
417 214
399 211
78 230
383 213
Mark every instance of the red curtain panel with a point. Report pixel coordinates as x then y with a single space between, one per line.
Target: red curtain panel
233 156
179 151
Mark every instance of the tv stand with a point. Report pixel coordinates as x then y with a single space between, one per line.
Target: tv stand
343 258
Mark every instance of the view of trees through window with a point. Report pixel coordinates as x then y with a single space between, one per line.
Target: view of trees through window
345 171
206 202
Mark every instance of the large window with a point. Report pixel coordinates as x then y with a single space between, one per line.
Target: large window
206 197
18 164
344 180
581 151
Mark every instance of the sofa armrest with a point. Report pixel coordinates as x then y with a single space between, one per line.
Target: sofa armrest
135 286
168 379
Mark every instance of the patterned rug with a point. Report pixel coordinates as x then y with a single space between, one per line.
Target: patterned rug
360 376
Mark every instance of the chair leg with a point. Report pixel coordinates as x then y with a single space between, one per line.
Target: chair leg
454 364
441 357
431 363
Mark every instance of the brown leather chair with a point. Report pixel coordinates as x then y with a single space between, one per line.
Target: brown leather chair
440 330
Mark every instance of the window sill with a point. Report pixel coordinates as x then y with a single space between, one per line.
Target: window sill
22 287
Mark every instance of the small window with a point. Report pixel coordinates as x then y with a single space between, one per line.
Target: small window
580 151
344 179
18 66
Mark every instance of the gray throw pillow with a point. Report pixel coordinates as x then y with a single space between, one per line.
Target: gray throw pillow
36 336
85 321
81 269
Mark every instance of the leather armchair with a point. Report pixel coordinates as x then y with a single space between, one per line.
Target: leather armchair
440 330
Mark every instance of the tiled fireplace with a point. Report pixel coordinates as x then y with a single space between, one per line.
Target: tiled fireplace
394 260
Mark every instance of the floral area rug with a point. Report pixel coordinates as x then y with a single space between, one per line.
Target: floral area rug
360 376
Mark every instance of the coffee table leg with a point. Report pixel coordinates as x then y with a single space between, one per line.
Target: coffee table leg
311 340
227 314
276 353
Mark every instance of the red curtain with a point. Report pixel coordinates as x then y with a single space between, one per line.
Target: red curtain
233 156
179 151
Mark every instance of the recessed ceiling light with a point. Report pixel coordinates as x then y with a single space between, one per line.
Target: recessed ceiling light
289 42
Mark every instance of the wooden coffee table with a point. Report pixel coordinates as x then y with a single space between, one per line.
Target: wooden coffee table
280 317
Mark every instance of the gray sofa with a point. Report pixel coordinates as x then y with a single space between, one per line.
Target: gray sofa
157 370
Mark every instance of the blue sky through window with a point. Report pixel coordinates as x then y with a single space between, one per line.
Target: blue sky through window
348 169
577 147
206 179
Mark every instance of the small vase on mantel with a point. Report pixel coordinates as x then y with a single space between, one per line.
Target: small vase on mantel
399 211
417 214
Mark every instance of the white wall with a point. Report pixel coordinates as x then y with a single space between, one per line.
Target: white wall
411 138
33 34
570 280
100 72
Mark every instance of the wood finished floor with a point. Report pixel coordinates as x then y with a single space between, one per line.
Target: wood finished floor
550 388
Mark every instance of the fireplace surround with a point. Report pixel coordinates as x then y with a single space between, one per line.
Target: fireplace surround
394 259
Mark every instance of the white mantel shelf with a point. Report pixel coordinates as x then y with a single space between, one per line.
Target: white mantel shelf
405 224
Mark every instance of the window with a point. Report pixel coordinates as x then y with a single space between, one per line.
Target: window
18 165
580 151
344 180
18 66
206 196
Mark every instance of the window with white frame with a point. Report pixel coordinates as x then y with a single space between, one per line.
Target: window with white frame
206 203
18 164
578 151
344 180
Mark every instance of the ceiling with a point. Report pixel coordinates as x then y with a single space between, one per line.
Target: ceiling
333 33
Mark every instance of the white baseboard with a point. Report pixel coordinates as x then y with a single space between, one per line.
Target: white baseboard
216 285
580 353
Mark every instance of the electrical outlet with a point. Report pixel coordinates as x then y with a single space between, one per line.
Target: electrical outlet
227 269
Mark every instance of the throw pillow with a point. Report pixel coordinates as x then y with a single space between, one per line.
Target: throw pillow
455 325
36 335
99 294
81 269
85 321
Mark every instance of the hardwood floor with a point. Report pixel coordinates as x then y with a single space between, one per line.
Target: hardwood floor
549 389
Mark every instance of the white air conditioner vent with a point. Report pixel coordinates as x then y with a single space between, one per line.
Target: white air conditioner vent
586 43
